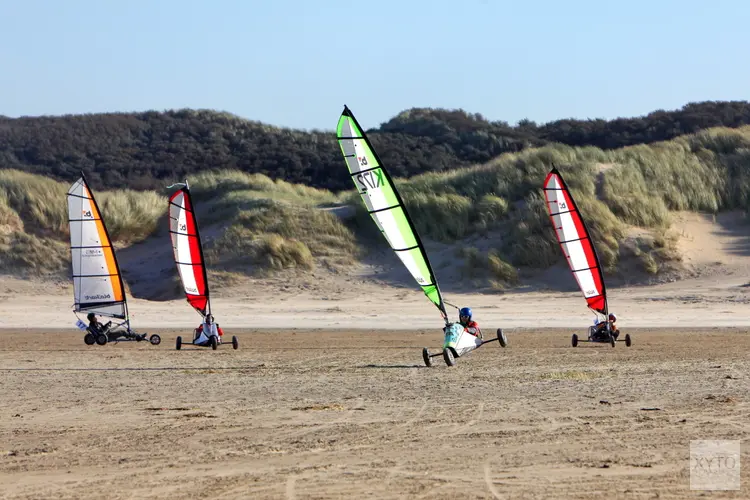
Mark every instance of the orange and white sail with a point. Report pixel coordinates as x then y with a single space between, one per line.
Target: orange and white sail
97 282
575 241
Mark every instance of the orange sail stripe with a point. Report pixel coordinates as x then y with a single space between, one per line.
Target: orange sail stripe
108 253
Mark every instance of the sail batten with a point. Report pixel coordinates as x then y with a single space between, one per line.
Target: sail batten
188 251
385 206
97 282
575 241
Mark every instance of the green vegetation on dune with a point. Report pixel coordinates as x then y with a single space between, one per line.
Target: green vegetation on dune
265 225
494 213
633 186
143 150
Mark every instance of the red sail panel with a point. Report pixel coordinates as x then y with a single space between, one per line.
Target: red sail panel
188 253
575 241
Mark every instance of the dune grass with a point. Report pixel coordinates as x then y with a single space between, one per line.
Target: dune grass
638 185
216 183
488 266
131 216
270 225
270 234
37 201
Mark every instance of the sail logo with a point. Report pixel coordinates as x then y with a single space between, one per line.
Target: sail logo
98 297
87 213
183 227
191 289
92 252
370 180
563 205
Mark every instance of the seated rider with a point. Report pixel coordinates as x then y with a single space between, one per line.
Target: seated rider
206 327
601 327
95 326
464 318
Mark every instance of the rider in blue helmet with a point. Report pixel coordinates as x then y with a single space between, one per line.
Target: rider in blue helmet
464 318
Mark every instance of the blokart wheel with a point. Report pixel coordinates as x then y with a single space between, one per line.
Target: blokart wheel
501 338
448 357
101 339
628 341
89 339
214 344
178 343
426 356
611 339
155 339
235 343
574 340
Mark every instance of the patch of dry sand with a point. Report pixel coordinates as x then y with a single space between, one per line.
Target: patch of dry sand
354 414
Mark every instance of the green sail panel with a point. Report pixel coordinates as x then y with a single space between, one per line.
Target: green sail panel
385 205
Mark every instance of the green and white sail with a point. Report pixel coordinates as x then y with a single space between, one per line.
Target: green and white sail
385 205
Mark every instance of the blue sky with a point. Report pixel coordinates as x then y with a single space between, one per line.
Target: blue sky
294 63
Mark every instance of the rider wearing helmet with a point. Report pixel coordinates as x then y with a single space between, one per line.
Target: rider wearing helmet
464 318
601 327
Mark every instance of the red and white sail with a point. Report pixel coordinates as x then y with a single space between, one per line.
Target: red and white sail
188 252
575 241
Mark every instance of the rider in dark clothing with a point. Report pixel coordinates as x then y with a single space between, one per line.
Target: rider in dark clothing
96 327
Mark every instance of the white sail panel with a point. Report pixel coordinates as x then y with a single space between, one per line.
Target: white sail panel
97 283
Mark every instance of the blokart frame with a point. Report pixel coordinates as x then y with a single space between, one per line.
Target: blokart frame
120 332
607 338
212 343
453 347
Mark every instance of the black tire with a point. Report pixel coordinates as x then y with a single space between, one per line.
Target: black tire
574 340
426 356
155 339
235 342
214 344
628 341
501 338
101 339
178 343
89 339
611 339
448 357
